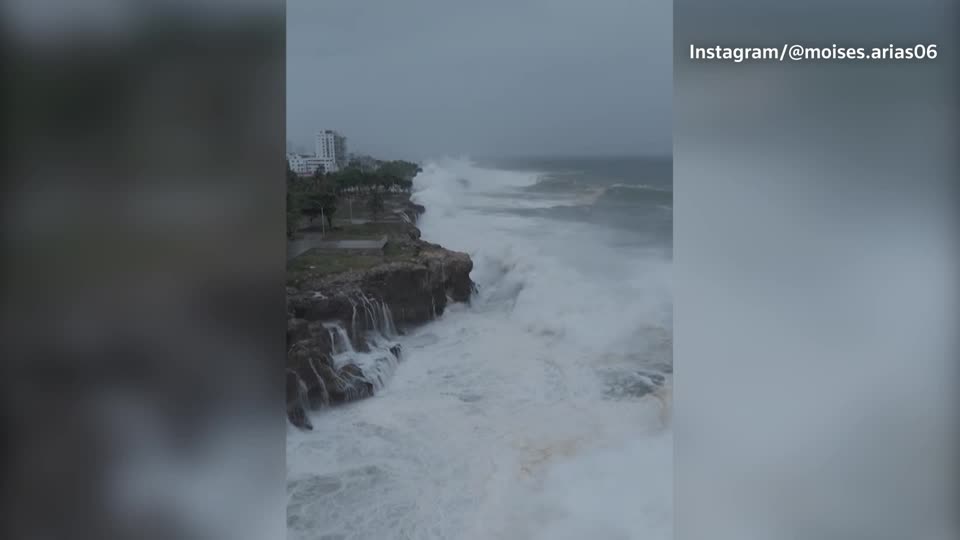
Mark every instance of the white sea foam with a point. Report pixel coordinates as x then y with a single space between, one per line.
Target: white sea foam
500 422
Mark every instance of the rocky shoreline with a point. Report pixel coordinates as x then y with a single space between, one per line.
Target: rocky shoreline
330 312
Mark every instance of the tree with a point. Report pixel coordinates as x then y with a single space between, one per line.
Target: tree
321 203
293 214
351 179
400 169
375 204
294 210
291 176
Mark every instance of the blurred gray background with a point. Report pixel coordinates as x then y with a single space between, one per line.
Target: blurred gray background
143 235
816 271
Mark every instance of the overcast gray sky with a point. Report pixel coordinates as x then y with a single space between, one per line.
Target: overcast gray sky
431 78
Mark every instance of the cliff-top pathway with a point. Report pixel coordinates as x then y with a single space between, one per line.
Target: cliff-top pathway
297 247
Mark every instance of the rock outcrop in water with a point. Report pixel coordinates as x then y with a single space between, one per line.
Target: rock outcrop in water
356 311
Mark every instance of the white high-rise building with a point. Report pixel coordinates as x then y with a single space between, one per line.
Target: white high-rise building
331 149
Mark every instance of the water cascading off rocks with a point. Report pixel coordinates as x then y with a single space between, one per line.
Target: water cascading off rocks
342 329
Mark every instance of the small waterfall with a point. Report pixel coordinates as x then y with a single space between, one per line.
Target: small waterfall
365 316
346 382
389 329
324 394
381 370
375 314
353 319
339 338
366 354
370 314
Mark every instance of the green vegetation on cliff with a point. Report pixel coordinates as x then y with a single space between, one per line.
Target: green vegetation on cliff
317 263
321 194
320 262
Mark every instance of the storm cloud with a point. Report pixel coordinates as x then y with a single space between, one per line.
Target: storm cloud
430 78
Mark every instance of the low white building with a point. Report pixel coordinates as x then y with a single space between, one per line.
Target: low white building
296 162
314 163
330 154
308 165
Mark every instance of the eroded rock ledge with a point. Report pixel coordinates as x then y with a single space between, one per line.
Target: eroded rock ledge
411 286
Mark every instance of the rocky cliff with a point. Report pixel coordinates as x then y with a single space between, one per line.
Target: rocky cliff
331 312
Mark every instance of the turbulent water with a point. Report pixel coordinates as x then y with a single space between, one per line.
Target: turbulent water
541 410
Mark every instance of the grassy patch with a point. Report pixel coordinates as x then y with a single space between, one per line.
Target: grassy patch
364 231
397 252
317 263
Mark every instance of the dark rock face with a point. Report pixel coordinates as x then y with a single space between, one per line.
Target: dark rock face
415 291
455 270
415 209
320 308
345 384
296 406
297 329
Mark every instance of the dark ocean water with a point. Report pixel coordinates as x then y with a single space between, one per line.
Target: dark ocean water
633 196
